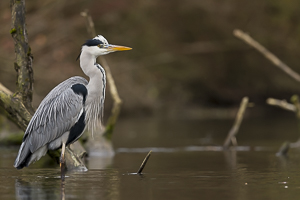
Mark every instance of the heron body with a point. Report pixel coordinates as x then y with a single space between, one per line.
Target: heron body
69 108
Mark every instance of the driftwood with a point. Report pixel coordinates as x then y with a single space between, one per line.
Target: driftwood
144 163
17 106
295 107
231 137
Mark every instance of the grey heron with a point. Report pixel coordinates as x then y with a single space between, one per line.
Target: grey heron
69 108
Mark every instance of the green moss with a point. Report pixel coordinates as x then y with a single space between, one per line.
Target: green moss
29 52
108 132
295 99
13 30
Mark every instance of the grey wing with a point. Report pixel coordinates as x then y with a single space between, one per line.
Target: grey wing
57 113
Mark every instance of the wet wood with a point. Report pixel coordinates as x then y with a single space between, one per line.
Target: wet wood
231 137
144 163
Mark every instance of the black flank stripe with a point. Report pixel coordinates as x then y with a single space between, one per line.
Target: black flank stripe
80 90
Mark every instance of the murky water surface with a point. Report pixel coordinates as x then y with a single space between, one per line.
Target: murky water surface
187 163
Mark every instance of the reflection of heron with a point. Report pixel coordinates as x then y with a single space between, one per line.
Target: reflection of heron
64 113
37 189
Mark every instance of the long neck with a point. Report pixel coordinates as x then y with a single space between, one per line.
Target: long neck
96 90
95 72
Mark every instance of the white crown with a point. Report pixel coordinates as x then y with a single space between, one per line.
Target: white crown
101 38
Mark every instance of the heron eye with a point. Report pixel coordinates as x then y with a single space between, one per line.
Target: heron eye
100 45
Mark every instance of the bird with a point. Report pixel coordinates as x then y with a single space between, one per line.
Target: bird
70 108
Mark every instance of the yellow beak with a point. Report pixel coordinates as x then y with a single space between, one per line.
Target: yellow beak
118 48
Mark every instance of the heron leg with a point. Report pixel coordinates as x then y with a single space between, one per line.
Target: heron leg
62 156
62 161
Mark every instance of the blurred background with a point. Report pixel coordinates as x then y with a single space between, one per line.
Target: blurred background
181 86
185 61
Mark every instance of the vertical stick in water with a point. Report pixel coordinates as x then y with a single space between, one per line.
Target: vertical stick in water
238 120
144 163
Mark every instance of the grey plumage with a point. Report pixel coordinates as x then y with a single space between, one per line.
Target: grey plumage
69 108
57 113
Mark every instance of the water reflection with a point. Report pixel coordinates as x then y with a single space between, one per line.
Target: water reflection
99 162
180 167
26 190
46 184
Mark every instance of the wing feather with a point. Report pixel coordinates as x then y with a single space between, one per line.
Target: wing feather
56 114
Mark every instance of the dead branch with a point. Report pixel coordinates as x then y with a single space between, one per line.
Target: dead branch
113 89
270 56
144 163
295 101
23 62
238 120
15 110
18 106
282 104
295 107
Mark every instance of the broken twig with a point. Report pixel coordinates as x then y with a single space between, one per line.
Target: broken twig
295 107
238 120
282 104
144 163
270 56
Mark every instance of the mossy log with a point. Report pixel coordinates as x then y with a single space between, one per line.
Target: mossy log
18 106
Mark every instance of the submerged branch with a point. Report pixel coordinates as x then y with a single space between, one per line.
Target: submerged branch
238 120
265 52
295 107
144 163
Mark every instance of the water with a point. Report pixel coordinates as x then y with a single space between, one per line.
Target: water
186 163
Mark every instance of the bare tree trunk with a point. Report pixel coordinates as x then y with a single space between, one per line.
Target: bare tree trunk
23 63
18 106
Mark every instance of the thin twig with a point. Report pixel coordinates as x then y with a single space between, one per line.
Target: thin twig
270 56
282 104
144 163
295 107
113 89
238 120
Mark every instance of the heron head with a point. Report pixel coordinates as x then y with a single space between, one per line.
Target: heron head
99 46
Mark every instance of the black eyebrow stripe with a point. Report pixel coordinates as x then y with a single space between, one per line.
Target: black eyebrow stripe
92 43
